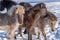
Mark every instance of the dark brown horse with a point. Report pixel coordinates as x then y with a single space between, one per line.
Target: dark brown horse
27 6
38 16
9 20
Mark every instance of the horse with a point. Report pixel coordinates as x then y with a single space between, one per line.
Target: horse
46 17
39 16
27 6
9 20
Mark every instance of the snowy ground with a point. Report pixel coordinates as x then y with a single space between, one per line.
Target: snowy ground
54 7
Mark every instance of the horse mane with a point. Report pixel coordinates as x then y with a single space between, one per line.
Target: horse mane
7 4
26 5
11 10
32 11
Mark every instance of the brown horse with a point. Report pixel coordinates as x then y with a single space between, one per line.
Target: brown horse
29 18
27 6
39 16
41 19
9 21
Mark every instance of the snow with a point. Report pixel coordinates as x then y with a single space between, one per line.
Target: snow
54 7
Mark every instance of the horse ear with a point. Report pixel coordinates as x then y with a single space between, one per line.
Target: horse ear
42 5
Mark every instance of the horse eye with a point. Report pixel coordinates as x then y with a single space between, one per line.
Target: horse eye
43 7
16 7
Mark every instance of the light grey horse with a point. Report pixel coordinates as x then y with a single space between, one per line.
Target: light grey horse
9 21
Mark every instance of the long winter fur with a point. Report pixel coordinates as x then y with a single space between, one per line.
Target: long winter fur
46 17
27 6
10 22
39 16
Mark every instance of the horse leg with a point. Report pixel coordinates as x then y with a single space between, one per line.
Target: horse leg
29 36
53 24
30 32
44 34
11 35
38 33
43 31
20 30
11 31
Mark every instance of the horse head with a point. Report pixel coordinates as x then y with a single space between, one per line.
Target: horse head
20 10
